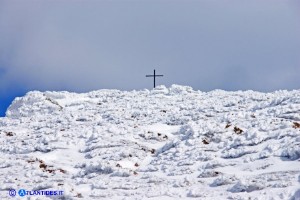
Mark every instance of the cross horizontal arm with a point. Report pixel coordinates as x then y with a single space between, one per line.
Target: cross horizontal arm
153 75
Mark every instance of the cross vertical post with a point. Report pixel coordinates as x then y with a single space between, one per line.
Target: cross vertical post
154 79
154 76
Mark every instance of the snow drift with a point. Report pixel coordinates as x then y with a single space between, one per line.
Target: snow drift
167 143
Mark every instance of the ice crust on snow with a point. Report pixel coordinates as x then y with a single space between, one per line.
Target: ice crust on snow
165 143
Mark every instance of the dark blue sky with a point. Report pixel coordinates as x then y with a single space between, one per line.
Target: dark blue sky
87 45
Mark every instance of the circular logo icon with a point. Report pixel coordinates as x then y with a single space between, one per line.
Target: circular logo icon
12 192
22 192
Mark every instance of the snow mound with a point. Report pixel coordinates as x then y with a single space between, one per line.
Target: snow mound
165 143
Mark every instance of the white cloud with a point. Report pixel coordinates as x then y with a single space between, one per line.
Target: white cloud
88 45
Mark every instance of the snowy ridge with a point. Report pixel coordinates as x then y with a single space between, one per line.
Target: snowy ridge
166 143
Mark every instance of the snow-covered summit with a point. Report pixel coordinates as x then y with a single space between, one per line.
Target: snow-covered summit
165 143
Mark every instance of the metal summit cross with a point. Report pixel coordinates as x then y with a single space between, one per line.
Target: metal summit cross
154 77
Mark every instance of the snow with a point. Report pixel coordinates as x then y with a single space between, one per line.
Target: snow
165 143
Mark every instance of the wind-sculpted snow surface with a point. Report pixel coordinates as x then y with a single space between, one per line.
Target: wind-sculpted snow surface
167 143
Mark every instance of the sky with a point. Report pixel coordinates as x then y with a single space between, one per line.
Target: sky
81 46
